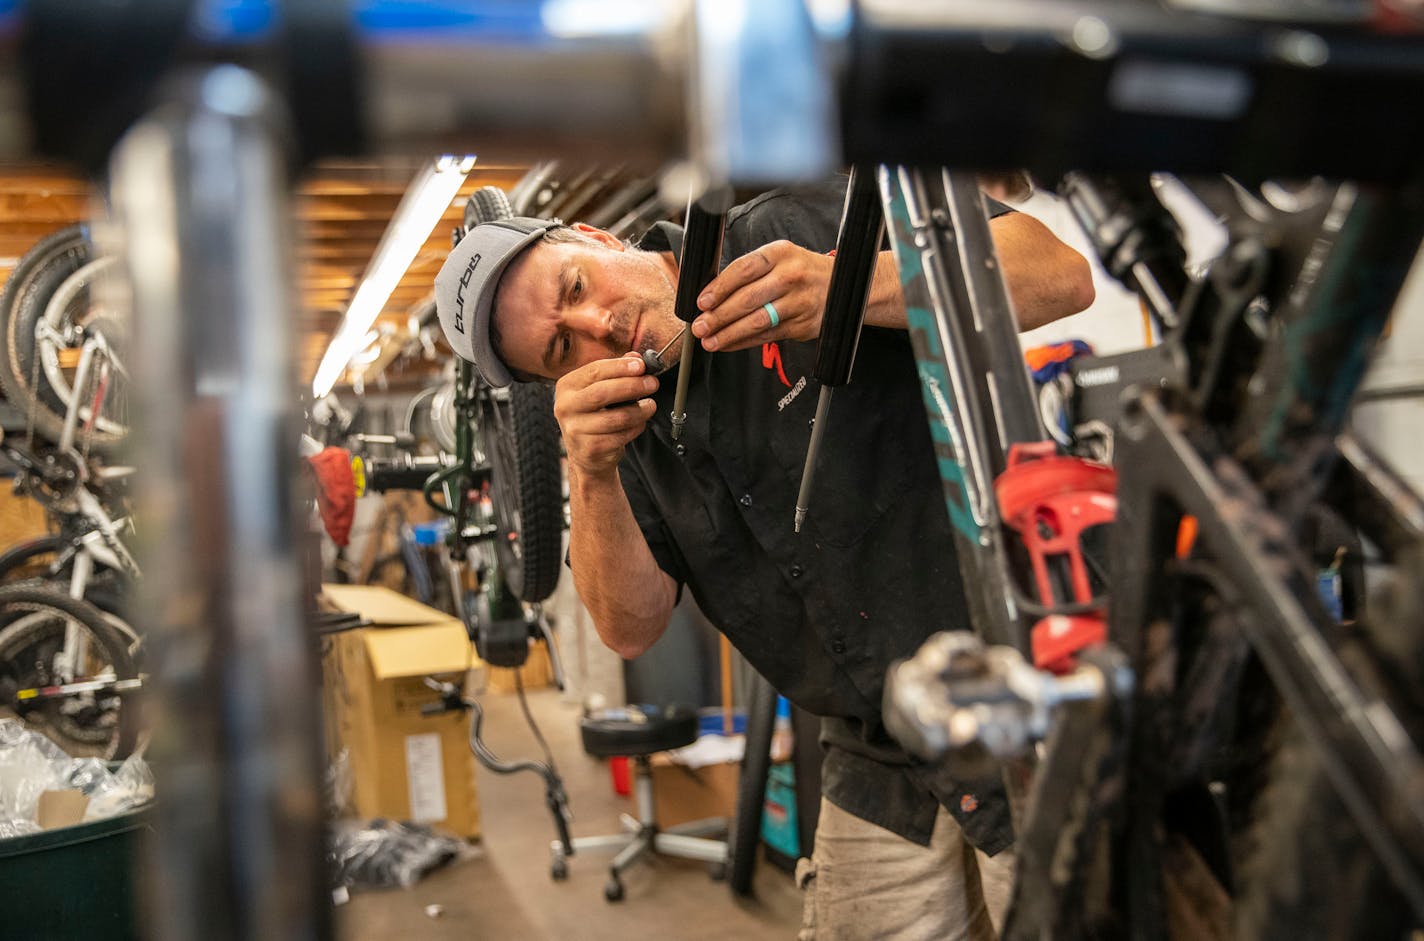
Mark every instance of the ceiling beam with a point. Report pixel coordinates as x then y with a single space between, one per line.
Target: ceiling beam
41 207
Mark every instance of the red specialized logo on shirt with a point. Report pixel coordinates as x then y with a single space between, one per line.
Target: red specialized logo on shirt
771 359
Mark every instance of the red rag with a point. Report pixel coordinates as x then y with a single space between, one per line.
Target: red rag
336 492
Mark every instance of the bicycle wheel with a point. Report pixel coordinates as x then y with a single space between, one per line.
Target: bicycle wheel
525 486
34 654
70 323
1310 874
32 558
486 204
17 346
522 439
50 559
38 373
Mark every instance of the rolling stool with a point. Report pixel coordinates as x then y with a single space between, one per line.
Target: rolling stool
637 732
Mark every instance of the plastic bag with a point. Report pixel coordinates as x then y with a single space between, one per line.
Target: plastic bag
9 828
338 784
31 764
385 853
129 787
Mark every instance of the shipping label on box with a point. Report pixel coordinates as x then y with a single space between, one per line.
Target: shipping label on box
425 778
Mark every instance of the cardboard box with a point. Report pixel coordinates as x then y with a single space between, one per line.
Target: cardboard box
61 808
404 765
682 794
382 606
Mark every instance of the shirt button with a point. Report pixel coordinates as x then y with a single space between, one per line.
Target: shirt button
838 646
796 571
746 499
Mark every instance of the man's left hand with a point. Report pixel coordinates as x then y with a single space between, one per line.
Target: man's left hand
792 279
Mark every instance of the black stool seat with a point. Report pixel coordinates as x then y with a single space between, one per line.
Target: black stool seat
638 730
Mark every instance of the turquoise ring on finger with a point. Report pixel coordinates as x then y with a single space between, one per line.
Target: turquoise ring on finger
770 309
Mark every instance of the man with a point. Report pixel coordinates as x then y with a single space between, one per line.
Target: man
901 850
1114 322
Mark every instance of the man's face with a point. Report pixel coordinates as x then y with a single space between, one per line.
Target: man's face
562 305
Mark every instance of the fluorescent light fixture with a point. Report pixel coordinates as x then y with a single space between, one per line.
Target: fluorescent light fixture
419 211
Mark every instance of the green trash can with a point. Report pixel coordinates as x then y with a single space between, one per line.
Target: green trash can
75 883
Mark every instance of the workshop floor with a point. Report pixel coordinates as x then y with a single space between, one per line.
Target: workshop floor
505 891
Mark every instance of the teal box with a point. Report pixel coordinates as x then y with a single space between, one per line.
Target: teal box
778 822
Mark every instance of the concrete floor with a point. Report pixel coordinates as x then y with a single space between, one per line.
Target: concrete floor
505 891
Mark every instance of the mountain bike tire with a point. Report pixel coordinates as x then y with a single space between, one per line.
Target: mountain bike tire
17 348
487 204
526 483
1310 875
526 487
32 561
22 306
109 728
31 558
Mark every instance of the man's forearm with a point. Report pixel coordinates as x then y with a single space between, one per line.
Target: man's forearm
1046 278
629 596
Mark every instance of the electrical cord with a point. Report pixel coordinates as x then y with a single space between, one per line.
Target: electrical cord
533 727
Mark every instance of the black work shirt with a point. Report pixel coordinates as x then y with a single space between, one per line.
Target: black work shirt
823 613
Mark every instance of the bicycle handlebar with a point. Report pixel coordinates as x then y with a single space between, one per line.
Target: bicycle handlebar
399 473
412 473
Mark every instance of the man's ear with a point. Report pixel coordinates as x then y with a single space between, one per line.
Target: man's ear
597 234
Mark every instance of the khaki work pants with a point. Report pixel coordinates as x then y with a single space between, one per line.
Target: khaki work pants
863 882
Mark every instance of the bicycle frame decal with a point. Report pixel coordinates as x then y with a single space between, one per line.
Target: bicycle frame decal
929 363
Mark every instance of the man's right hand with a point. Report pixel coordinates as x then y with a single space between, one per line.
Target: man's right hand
600 407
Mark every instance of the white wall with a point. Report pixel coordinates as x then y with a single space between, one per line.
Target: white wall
1115 323
1395 426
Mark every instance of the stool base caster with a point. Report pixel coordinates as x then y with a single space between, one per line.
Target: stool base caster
613 889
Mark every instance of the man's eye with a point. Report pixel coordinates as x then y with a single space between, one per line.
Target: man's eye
565 345
577 292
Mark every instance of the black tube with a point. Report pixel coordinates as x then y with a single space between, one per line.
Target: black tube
402 473
701 248
857 248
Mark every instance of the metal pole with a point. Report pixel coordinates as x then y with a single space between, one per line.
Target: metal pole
199 189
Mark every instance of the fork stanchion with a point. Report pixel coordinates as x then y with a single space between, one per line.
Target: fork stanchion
199 189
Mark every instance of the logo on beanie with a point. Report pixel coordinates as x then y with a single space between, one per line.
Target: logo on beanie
460 291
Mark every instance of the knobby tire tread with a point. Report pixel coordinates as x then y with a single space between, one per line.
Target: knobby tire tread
487 204
537 492
1310 874
49 264
17 348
